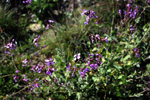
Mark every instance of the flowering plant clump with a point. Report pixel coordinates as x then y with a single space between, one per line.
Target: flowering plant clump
9 47
89 15
113 67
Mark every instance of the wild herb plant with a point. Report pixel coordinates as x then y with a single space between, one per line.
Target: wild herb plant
113 67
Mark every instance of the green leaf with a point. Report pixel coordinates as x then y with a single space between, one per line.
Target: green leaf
117 66
109 70
120 76
137 20
126 57
118 94
79 95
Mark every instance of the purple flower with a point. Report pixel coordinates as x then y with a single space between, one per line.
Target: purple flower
136 50
133 14
36 54
74 71
50 71
68 67
73 75
36 39
85 70
119 11
89 14
43 46
84 11
17 71
138 55
93 66
49 62
24 79
92 38
82 74
36 85
33 68
7 52
88 62
27 1
148 82
125 13
50 21
10 45
86 23
25 61
131 28
128 5
106 39
36 44
97 36
16 77
47 27
37 68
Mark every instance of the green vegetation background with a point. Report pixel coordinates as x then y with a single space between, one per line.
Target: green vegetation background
122 74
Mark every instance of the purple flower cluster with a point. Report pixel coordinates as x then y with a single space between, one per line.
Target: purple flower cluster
38 68
83 73
11 45
131 28
24 62
73 69
97 38
49 62
27 1
50 71
89 14
94 61
35 41
48 25
24 79
16 77
136 51
35 85
131 13
68 67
